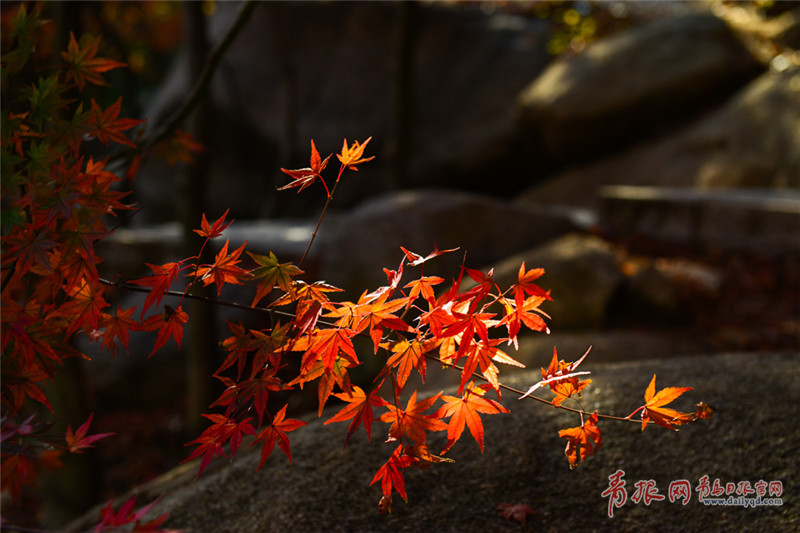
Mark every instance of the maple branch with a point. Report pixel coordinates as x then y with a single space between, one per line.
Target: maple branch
321 216
181 294
206 74
235 305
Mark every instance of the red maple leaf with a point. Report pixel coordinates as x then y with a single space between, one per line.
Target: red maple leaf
159 283
84 307
304 177
359 409
23 384
325 345
168 323
258 387
416 259
654 407
482 355
106 125
239 345
518 511
525 286
464 411
583 441
78 440
213 231
118 327
111 521
276 433
210 442
391 476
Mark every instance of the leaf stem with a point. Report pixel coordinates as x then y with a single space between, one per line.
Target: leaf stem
321 216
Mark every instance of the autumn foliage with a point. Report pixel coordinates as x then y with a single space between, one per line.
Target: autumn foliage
57 202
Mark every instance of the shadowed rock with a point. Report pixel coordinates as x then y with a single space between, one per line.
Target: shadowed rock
751 437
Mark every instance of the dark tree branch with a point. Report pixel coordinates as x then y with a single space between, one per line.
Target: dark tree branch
199 88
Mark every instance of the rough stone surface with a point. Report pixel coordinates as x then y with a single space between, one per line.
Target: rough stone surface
357 246
751 141
632 83
751 437
765 220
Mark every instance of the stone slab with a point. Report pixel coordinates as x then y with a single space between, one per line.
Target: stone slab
765 221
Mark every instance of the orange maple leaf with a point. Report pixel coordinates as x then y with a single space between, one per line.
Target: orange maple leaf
583 441
350 157
525 286
567 386
84 307
359 409
181 147
654 407
464 411
406 355
423 458
411 421
423 286
224 270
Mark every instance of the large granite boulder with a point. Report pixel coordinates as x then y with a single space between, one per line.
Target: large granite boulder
632 84
752 141
750 438
581 272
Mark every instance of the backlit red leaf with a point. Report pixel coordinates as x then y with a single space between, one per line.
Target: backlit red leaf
276 433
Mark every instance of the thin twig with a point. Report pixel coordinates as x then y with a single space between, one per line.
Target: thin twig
200 85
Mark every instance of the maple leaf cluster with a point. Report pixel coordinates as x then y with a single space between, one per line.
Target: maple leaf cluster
55 204
58 201
465 329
